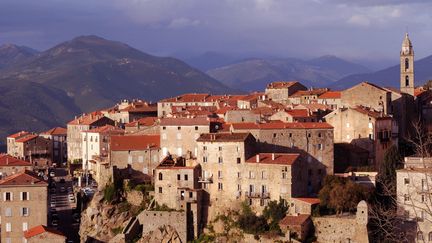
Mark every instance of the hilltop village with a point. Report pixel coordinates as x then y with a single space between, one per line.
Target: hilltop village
288 164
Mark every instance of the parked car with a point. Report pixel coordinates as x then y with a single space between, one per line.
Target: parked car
76 217
54 222
62 189
52 174
71 198
53 204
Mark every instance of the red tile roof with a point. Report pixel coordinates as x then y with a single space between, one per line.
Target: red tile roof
87 119
298 113
281 125
26 178
223 137
187 98
106 129
252 96
146 122
310 200
370 112
294 220
331 95
56 131
281 84
40 229
18 134
138 107
135 142
26 138
7 160
309 92
279 158
183 121
419 91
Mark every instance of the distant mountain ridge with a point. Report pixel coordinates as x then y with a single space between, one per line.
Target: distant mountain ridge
255 73
389 77
11 54
88 73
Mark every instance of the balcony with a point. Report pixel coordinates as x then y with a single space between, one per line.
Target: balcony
205 180
257 194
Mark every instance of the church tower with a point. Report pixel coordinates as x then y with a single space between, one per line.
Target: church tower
407 67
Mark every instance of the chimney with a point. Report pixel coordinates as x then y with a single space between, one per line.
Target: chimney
273 156
257 158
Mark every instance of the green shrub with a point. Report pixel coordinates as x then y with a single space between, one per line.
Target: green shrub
117 230
109 193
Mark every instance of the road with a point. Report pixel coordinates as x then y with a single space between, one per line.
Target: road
66 224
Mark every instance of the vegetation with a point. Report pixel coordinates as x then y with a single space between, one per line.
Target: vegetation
275 212
109 193
117 230
162 207
340 195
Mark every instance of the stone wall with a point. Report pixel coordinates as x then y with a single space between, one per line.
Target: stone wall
155 220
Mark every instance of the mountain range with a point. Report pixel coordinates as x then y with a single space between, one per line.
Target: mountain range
39 90
255 73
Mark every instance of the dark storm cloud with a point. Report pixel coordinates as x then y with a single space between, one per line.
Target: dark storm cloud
356 29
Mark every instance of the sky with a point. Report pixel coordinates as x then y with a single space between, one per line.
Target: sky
353 29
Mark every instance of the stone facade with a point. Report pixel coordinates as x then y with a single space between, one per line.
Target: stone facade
352 228
57 136
154 220
130 110
407 67
80 124
281 91
30 147
368 95
24 205
10 165
242 116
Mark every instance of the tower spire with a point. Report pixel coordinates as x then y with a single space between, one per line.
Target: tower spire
407 66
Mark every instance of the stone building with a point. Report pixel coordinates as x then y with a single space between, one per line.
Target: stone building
185 100
24 205
330 98
344 228
130 110
10 165
146 125
233 172
306 96
250 101
178 135
368 95
96 142
42 233
75 127
57 136
414 200
300 224
30 147
407 67
139 152
241 115
280 91
297 115
312 140
365 128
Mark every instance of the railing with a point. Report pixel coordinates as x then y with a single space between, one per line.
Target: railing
205 180
257 194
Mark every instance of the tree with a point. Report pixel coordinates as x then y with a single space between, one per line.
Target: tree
387 171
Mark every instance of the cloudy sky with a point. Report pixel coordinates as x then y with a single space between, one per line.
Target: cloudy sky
355 29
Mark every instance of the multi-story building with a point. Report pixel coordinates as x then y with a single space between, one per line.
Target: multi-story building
330 98
146 125
297 115
130 110
414 199
312 140
24 205
10 165
178 135
57 136
30 147
140 152
365 128
233 172
368 95
280 91
165 105
306 96
75 127
96 141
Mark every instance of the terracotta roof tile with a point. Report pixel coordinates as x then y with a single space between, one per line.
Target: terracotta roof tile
310 200
331 95
279 158
106 129
18 134
40 229
223 137
309 92
282 125
56 131
281 84
134 142
146 122
26 138
88 119
294 220
7 160
25 178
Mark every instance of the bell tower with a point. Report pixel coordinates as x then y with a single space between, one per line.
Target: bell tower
407 67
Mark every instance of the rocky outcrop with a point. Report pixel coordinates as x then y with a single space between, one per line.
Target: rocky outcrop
165 234
102 221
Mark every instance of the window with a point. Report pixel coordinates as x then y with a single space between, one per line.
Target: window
178 177
190 195
160 176
220 160
196 128
160 189
348 125
220 186
238 160
238 175
406 181
430 236
164 136
423 198
309 135
220 148
274 135
178 128
263 175
407 81
205 159
8 212
8 227
204 147
424 185
406 63
163 128
406 197
420 236
219 174
25 226
320 146
7 196
25 212
290 135
185 177
319 171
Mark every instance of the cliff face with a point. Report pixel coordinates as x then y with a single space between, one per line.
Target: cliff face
102 221
165 233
